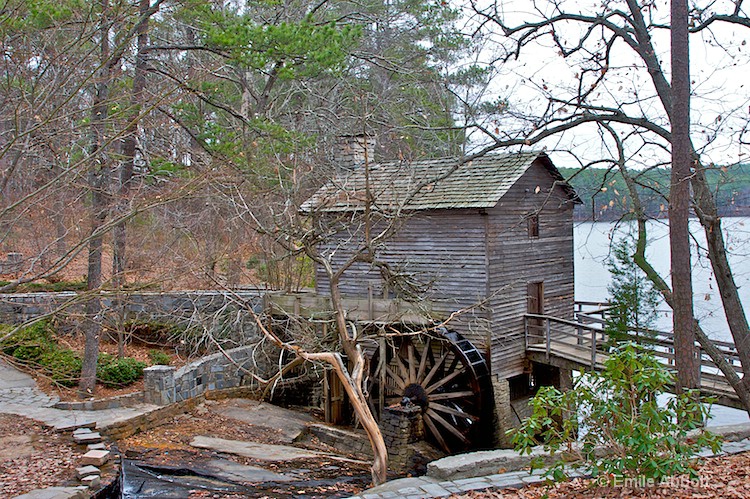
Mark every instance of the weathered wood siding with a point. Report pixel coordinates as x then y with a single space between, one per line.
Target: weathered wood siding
444 250
515 260
465 256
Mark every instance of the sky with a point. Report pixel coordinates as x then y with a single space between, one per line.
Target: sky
720 75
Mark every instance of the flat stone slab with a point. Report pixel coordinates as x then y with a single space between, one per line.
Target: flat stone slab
96 457
99 446
87 471
263 452
91 481
483 463
87 438
75 426
291 424
240 473
56 493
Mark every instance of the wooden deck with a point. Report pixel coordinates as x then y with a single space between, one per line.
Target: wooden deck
577 345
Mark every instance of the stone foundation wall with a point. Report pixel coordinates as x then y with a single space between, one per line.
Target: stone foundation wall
503 420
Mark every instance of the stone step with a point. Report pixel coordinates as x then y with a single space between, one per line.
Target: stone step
99 446
75 426
91 481
87 438
87 471
96 457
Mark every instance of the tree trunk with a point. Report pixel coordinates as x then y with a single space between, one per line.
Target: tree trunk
679 203
97 179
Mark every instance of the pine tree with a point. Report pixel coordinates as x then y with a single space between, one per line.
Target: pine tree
634 299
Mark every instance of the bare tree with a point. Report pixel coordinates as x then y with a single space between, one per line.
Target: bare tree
607 48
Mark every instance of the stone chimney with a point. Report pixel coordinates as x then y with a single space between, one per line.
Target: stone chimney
351 151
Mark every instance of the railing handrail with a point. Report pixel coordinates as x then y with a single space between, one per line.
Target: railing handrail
659 338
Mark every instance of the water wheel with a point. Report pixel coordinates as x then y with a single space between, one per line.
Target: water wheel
444 374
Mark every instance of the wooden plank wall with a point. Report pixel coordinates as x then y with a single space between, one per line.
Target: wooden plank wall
466 255
442 249
515 260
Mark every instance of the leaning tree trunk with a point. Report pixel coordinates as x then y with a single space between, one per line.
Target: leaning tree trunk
705 209
639 258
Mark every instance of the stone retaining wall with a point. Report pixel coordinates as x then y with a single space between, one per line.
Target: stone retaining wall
128 400
172 307
165 385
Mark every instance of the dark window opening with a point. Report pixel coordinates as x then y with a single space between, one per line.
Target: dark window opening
533 222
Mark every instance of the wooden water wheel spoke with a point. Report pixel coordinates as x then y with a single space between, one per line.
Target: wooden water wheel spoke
423 360
450 395
435 433
440 374
453 412
445 380
412 363
399 382
402 368
435 368
445 424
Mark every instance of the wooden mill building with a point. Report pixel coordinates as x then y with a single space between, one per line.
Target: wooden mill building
483 242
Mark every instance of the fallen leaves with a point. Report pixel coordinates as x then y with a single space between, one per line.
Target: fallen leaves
718 478
50 460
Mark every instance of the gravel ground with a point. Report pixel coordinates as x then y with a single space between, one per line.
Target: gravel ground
32 456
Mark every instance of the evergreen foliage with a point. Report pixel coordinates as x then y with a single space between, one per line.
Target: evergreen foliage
605 195
633 297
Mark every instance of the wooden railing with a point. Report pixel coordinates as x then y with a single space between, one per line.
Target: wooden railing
587 333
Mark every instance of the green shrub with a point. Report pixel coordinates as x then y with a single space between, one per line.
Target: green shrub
30 343
62 365
625 432
104 358
120 372
159 358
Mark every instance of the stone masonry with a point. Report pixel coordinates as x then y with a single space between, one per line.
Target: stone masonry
503 414
402 427
165 385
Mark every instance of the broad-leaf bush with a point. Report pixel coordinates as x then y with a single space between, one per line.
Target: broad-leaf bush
611 424
63 366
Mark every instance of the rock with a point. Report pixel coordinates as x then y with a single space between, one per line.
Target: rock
290 424
99 446
56 493
91 481
235 472
96 457
64 428
263 452
87 471
483 463
87 438
731 433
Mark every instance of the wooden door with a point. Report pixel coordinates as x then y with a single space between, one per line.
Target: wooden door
535 305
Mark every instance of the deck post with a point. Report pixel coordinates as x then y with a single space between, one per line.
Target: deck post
549 336
593 349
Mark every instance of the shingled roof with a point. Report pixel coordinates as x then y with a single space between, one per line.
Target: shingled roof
432 184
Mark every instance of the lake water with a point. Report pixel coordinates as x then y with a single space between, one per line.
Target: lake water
592 242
